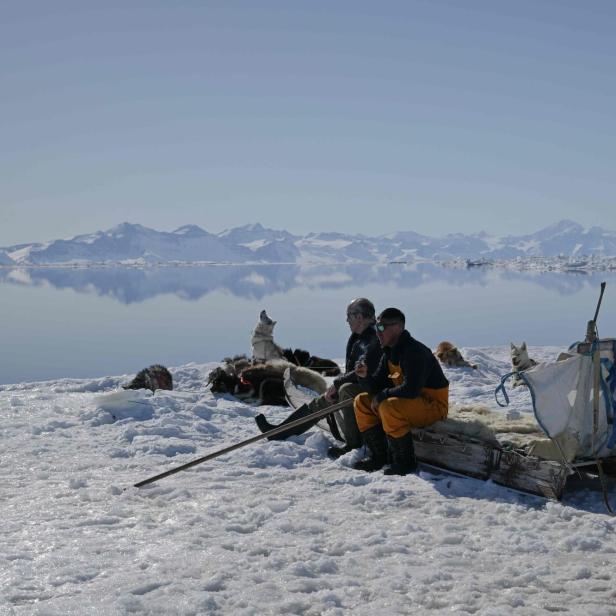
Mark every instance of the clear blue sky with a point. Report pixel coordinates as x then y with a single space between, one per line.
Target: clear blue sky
434 116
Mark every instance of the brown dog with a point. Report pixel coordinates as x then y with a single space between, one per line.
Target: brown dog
449 355
153 377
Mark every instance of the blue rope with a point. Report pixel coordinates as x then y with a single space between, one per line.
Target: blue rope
609 394
501 387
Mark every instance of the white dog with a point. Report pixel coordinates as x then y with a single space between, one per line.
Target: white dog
263 346
521 361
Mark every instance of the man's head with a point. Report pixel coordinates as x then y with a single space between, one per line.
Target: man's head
360 314
389 326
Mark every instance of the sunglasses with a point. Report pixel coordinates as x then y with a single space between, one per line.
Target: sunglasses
353 315
381 326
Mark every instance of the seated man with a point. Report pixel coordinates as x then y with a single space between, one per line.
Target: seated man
408 390
362 346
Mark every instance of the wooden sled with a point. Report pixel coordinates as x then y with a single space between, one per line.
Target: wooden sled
485 459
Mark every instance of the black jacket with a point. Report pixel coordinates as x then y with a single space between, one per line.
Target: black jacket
419 369
363 346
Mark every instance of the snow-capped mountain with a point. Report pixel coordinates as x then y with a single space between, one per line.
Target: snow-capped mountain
568 238
130 242
5 259
257 244
262 245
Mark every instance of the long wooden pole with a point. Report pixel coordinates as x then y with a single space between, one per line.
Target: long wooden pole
254 439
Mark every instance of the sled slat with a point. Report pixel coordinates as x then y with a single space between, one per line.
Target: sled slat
472 458
530 474
484 460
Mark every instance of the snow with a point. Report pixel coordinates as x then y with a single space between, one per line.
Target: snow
275 527
255 245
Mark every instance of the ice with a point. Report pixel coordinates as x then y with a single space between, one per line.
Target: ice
275 527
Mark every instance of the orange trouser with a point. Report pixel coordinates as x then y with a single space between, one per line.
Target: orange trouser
399 415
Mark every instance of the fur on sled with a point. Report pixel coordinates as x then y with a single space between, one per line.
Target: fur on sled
153 377
263 382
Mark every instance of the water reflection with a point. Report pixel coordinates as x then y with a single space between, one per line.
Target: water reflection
82 322
135 285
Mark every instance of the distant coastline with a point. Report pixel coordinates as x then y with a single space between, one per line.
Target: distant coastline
537 264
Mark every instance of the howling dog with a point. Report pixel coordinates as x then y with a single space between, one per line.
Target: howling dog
449 355
262 341
520 361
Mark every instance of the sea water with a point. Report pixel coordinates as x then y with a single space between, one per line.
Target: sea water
97 321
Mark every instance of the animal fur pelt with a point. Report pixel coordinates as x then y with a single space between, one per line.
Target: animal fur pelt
153 377
449 355
263 382
299 357
512 430
520 361
262 340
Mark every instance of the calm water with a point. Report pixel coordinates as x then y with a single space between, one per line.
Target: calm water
96 322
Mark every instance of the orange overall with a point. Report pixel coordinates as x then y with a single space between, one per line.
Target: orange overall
399 415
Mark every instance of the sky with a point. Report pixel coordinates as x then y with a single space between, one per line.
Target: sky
432 116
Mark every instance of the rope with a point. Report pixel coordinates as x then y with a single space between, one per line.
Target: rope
604 486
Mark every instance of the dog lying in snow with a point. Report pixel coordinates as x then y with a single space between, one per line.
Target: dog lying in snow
263 382
450 356
262 340
299 357
520 361
153 377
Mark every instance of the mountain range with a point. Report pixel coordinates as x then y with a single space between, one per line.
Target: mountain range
130 243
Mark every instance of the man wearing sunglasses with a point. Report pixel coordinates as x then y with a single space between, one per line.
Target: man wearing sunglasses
362 348
408 390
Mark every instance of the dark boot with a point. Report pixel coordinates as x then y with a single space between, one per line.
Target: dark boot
374 438
402 458
299 413
336 452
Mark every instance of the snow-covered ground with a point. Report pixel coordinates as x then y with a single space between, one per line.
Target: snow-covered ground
273 528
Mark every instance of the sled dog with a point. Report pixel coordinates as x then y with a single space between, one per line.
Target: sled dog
300 357
153 377
520 361
449 355
262 341
262 382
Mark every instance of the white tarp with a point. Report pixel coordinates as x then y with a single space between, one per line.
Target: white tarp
562 395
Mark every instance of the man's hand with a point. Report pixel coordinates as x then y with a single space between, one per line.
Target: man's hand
331 394
374 405
361 370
